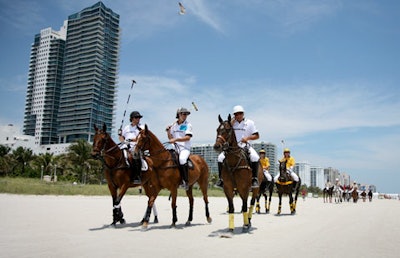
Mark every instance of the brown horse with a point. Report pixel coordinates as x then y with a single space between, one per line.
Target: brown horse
166 175
284 184
236 173
117 173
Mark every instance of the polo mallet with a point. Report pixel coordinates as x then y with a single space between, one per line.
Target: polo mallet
127 102
194 106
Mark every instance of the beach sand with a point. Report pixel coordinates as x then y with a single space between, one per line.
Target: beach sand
77 226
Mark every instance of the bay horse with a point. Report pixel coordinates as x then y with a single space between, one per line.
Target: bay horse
266 190
116 171
327 193
236 173
166 175
284 184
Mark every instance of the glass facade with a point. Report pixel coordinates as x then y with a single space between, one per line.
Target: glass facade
89 88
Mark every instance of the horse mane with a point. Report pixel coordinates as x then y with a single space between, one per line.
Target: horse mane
154 137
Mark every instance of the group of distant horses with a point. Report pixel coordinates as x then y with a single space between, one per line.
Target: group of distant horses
163 173
341 194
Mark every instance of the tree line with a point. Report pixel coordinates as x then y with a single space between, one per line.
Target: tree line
77 165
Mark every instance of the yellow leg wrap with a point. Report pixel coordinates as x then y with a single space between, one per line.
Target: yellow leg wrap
245 218
231 221
250 211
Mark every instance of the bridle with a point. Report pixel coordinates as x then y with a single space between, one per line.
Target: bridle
105 152
225 142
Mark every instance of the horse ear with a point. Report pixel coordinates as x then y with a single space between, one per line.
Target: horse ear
229 117
104 127
146 128
220 119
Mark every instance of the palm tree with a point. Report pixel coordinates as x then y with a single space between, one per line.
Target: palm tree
80 156
22 156
5 160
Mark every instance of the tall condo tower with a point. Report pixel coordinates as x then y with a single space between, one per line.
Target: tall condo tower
44 85
89 87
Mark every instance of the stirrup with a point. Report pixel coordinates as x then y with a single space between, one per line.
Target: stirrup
254 183
137 181
219 183
185 185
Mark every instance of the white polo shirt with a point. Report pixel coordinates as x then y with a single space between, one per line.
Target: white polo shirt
131 132
179 131
244 128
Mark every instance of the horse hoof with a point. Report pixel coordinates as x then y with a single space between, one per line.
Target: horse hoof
155 220
228 234
209 219
112 225
246 228
122 221
187 223
145 226
172 225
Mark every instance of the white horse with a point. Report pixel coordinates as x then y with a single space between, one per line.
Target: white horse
337 193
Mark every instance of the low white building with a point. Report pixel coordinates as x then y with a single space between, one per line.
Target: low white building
11 136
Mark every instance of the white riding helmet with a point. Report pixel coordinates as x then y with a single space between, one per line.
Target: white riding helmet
237 109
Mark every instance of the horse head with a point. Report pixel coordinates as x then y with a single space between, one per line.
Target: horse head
225 135
143 140
99 140
283 175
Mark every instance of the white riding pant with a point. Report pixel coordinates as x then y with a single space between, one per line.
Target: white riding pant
183 156
267 175
292 174
252 153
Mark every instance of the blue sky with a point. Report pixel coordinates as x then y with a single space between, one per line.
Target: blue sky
321 75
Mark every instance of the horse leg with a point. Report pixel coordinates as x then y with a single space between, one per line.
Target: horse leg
295 201
245 212
146 218
291 203
268 203
174 194
203 188
252 201
258 209
280 203
189 194
117 212
155 213
231 209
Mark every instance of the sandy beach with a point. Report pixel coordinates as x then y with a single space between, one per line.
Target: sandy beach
77 226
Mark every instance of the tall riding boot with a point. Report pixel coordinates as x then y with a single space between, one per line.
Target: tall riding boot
125 151
254 170
219 183
185 176
137 169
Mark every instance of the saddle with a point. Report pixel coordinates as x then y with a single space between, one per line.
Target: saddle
285 179
175 158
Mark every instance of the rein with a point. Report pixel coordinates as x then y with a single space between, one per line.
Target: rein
105 153
155 153
232 150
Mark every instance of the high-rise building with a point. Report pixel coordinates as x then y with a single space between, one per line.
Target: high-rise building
271 153
44 85
88 92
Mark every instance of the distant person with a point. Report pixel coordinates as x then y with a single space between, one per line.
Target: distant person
370 195
264 160
180 134
290 162
245 131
